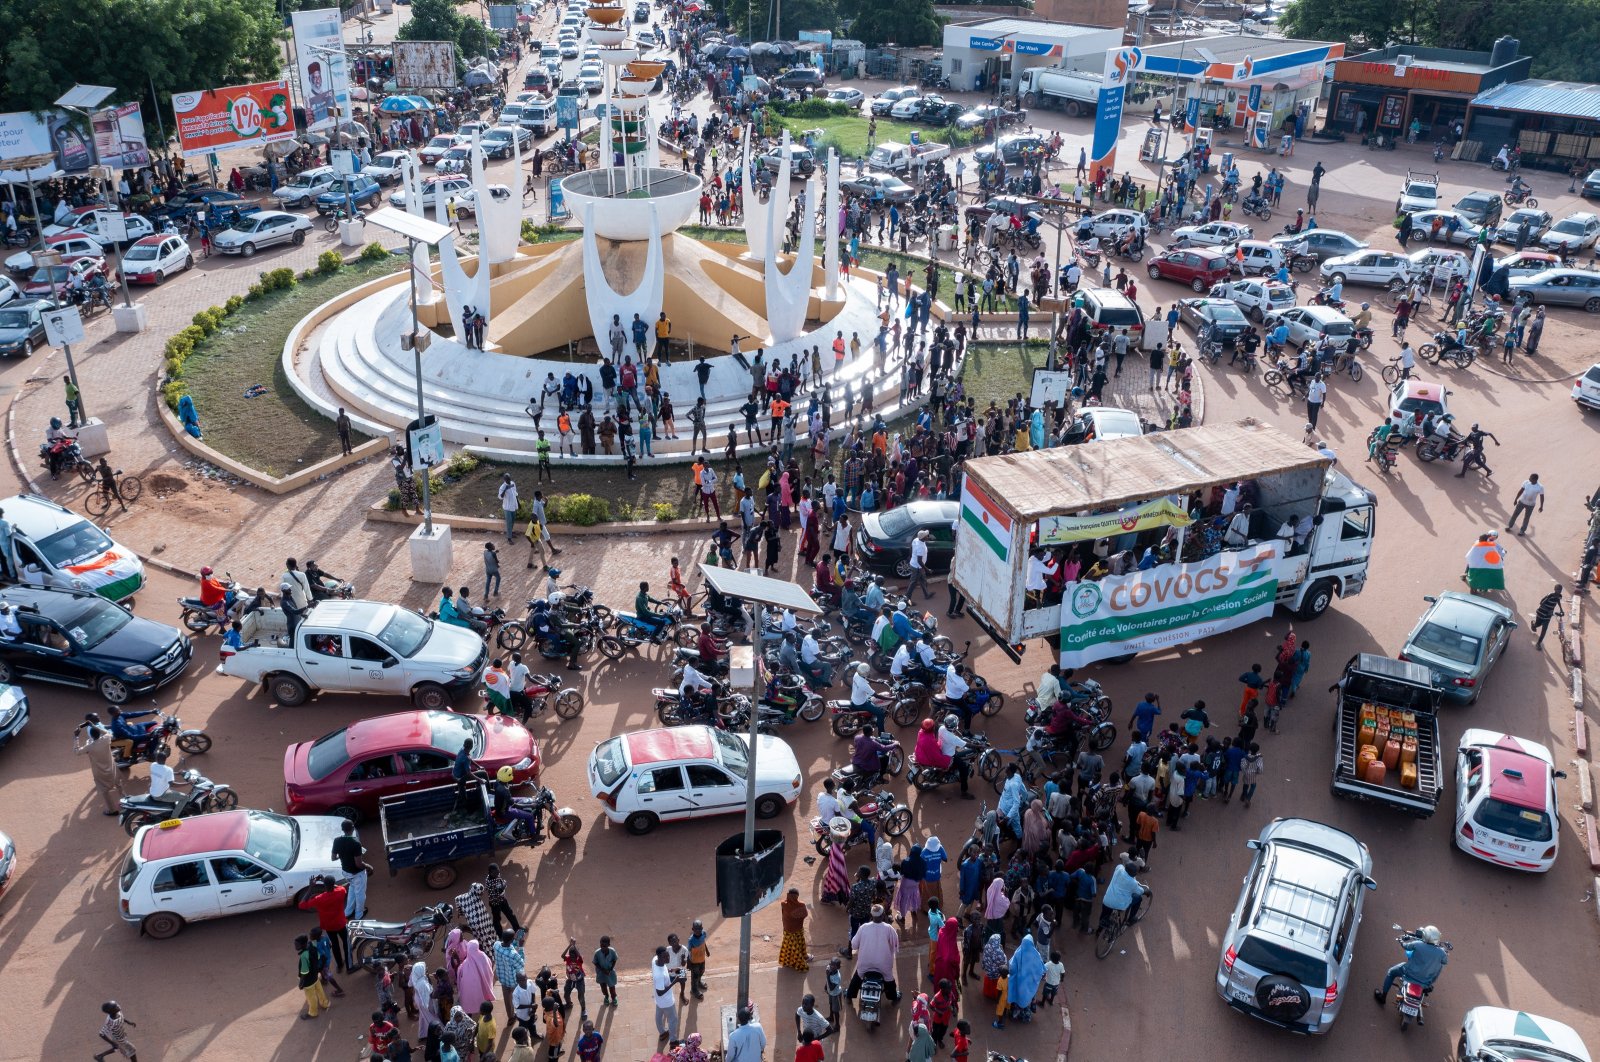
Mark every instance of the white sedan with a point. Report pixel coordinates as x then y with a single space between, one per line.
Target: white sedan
1495 1034
386 166
1211 234
264 229
906 109
1506 805
848 96
153 259
1384 268
648 777
467 202
1256 297
1454 226
225 863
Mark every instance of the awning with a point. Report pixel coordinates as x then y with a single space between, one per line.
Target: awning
1100 475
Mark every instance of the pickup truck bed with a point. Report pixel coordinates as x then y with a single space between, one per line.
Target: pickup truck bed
1388 683
426 829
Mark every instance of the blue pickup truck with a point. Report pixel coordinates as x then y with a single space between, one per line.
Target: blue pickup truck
358 188
432 829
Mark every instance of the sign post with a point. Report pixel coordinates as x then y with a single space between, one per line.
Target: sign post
62 328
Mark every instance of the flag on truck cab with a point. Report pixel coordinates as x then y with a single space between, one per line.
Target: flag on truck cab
986 519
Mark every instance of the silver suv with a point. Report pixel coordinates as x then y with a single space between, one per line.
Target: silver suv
1287 952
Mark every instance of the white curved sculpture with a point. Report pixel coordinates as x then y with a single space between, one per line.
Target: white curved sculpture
623 216
460 290
421 266
831 228
789 294
499 220
604 302
756 213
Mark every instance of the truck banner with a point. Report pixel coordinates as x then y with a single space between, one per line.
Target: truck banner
1055 530
1172 604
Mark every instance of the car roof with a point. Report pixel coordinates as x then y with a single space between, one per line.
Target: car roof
1322 313
1428 392
365 616
38 517
932 513
222 831
1113 422
1300 899
669 744
1516 776
1107 296
384 732
152 241
1308 833
44 600
1466 613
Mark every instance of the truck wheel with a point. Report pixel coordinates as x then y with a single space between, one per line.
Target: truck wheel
163 925
1073 109
1317 599
440 876
288 690
769 806
640 823
1030 99
430 697
347 812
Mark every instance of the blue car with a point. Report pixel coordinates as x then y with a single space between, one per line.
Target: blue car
77 638
356 188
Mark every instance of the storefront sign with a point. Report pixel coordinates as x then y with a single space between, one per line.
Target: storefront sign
1424 78
1172 604
1122 67
1392 111
218 119
1056 530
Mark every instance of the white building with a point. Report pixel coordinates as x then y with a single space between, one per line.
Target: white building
977 53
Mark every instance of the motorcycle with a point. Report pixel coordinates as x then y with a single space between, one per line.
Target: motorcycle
1256 206
877 807
1100 730
633 632
200 618
204 796
1520 197
891 761
373 943
1413 995
869 1000
166 730
1364 338
1323 298
732 709
67 457
568 700
1434 448
898 701
564 821
1445 347
929 778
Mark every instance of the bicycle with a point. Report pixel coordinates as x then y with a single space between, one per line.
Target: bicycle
1110 930
1391 372
128 489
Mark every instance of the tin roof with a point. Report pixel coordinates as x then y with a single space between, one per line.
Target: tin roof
1568 99
1103 475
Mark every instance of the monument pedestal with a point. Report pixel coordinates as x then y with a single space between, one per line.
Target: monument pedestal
430 554
92 437
131 318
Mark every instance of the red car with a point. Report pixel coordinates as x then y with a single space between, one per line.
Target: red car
50 281
345 772
1195 266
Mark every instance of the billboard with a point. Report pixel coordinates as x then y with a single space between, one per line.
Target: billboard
240 116
320 60
424 65
54 132
119 137
503 18
1170 604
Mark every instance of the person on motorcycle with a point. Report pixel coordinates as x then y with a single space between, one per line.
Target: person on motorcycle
1363 317
1502 158
867 752
506 808
1439 429
862 693
901 623
929 751
696 693
1472 446
706 647
57 441
136 734
1425 961
324 584
955 693
953 747
1519 189
1124 892
641 609
1380 440
1333 294
449 613
161 779
214 595
1048 691
811 663
872 597
1278 338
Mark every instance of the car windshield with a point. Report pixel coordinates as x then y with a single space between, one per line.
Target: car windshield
95 622
248 224
735 754
1274 958
50 275
1426 191
74 544
1525 824
273 839
143 253
1512 1051
609 762
1227 313
14 319
405 633
1575 228
895 522
327 755
450 731
1438 640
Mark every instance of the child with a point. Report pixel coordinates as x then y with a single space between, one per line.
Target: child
319 940
675 584
487 1033
232 639
1054 971
963 1041
555 1025
1253 769
381 1033
835 993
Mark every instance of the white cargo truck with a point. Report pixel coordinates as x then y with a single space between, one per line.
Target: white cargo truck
1091 512
1075 93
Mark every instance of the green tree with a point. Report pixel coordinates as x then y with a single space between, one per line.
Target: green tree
911 23
176 45
753 19
1361 25
438 20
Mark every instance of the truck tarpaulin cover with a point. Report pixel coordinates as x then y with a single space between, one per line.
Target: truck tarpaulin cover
1172 604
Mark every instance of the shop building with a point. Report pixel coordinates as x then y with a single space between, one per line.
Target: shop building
1555 123
979 54
1383 91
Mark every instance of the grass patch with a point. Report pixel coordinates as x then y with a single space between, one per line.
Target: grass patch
278 432
848 135
998 371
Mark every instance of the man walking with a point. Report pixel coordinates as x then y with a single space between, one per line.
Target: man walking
919 566
1549 608
96 744
508 504
1316 394
342 425
1530 492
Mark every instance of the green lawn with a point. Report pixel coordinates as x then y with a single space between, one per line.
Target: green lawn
849 134
278 432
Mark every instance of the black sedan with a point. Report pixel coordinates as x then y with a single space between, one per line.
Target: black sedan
939 111
978 117
22 326
1227 321
203 197
75 638
880 186
884 541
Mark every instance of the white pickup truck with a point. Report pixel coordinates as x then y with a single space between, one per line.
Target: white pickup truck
889 157
1419 192
357 647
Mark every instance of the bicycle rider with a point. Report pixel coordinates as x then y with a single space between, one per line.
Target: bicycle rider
1124 893
108 483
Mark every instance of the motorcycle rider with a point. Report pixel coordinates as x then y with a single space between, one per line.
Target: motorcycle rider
956 689
834 803
1472 444
641 609
696 693
137 735
214 595
323 584
811 664
708 651
1425 961
861 696
161 777
954 748
506 807
1048 691
450 613
866 754
1333 294
57 441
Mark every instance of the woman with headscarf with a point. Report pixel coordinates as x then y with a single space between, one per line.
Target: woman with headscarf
993 961
922 1045
431 1046
792 949
422 992
1022 984
1035 828
473 908
1011 797
454 951
836 879
971 877
995 905
1036 429
474 979
947 952
908 897
934 857
462 1029
690 1051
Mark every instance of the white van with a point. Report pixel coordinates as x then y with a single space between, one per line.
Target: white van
59 549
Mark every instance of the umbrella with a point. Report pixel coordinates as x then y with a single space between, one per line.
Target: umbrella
477 79
737 52
404 105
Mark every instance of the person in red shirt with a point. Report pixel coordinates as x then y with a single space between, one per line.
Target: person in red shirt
329 905
809 1050
213 595
963 1042
381 1033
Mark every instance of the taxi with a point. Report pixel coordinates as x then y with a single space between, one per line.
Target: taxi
689 772
212 866
1506 811
1413 396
